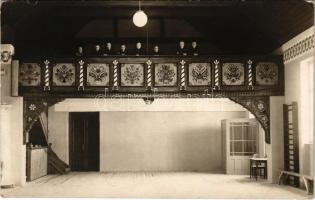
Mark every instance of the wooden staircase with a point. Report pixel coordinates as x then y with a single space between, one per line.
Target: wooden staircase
55 164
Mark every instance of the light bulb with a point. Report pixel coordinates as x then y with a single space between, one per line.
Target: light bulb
140 19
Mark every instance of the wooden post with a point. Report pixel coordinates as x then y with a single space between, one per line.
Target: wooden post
149 75
115 81
250 75
182 76
81 76
47 76
216 75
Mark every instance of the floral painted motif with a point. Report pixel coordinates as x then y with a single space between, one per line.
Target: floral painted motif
132 75
199 74
64 74
29 74
233 74
165 74
97 74
266 74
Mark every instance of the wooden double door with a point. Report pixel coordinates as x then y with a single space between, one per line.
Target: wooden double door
84 139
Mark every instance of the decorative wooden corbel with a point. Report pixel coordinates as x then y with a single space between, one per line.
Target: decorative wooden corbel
259 107
32 109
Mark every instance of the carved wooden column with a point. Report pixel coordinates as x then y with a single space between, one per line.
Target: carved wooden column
81 76
115 76
182 76
149 75
47 76
259 107
250 75
216 75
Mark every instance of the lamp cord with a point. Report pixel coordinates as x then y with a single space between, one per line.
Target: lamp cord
139 4
147 30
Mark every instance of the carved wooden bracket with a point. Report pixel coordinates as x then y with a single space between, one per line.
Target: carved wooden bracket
33 107
259 107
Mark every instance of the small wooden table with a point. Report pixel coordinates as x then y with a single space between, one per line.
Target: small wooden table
256 162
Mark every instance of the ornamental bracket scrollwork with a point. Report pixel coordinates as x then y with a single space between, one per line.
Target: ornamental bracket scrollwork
33 107
259 107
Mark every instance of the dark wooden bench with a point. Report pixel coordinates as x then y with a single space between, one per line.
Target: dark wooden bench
308 180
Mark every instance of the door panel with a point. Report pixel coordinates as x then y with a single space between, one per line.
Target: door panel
242 141
84 141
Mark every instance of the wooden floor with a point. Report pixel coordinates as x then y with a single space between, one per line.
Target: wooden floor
153 185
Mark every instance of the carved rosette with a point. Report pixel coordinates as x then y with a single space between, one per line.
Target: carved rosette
259 107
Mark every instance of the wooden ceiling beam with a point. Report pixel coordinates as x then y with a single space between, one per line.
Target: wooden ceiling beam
153 3
146 3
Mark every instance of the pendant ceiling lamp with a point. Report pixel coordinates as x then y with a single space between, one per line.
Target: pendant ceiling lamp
140 19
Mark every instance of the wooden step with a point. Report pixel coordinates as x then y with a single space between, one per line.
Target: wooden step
56 164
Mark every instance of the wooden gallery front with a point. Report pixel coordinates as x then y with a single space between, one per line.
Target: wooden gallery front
243 94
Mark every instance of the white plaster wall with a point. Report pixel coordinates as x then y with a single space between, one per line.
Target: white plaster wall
162 141
5 141
261 138
295 89
275 149
293 81
58 133
17 172
192 104
130 137
306 111
18 150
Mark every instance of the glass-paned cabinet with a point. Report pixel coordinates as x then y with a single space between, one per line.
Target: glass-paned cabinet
239 142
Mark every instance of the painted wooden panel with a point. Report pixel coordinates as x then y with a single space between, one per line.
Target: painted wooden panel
266 73
233 74
64 74
37 163
97 74
165 74
199 74
30 74
132 75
